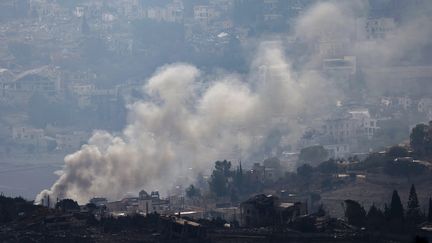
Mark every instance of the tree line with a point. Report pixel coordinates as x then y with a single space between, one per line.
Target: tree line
393 217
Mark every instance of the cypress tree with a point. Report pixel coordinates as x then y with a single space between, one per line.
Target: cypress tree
413 208
412 199
375 218
396 219
396 208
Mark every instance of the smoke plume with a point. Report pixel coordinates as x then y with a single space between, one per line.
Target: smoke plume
192 119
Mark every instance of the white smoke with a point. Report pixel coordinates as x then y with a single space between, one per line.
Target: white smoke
344 21
185 124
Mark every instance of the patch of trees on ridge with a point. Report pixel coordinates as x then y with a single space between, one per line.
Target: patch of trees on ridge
393 217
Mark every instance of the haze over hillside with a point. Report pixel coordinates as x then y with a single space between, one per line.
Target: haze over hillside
149 94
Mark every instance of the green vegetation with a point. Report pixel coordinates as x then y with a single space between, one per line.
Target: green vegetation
13 208
313 154
421 140
219 179
66 205
397 151
355 213
413 213
392 219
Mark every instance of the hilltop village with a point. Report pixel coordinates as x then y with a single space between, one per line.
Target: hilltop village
319 203
57 87
347 160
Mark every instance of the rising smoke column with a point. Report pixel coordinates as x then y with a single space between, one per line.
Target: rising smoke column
183 125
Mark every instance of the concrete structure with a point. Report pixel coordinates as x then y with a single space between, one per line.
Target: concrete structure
99 201
143 204
351 126
28 136
338 150
374 28
262 210
346 65
203 14
71 141
44 81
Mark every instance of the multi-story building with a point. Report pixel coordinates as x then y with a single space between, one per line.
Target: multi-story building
424 105
71 141
18 90
374 28
29 136
338 150
352 126
204 13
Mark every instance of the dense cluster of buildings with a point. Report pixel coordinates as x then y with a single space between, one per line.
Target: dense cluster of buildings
45 40
260 210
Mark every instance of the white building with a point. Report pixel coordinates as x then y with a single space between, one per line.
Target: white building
338 150
29 136
347 64
377 28
44 80
71 141
354 125
424 105
367 124
204 13
403 102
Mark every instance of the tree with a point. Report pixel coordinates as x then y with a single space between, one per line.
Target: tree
304 170
413 209
238 178
223 167
313 154
67 205
375 218
404 168
192 192
395 214
396 208
355 213
421 139
397 151
328 167
219 179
